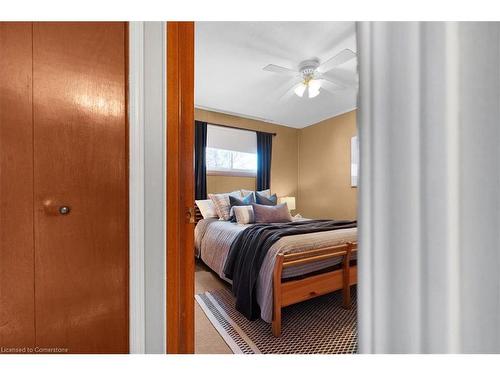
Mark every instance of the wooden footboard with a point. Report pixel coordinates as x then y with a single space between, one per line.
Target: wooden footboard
287 293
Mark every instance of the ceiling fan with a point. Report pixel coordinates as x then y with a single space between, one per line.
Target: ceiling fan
312 74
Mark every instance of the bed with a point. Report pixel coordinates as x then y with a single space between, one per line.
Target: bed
296 268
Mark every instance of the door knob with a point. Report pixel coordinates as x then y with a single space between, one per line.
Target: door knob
52 208
64 210
190 215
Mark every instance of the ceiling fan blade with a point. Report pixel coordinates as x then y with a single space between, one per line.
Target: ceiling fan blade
331 83
328 91
341 77
280 70
289 93
340 58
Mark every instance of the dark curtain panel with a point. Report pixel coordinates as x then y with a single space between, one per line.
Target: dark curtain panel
200 165
264 153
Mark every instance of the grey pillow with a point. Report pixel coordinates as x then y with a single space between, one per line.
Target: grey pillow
271 214
265 193
268 201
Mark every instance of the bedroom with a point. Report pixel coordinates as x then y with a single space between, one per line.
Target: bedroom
268 136
97 198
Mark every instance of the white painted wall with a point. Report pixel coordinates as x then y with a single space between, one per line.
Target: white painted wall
154 184
147 187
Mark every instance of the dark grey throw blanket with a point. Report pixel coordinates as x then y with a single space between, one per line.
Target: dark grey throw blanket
249 249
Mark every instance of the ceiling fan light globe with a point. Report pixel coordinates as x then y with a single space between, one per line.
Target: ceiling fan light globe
314 84
299 90
313 92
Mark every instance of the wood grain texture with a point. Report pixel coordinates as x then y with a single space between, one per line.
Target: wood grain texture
277 301
81 160
17 321
180 187
289 292
173 208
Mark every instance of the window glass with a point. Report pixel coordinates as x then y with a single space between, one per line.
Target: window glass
226 160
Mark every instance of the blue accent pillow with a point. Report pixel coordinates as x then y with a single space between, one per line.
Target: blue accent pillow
245 201
261 199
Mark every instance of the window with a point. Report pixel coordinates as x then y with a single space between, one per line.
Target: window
231 151
227 160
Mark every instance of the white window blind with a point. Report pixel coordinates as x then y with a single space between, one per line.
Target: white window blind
222 138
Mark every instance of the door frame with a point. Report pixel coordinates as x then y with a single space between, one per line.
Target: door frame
147 119
137 334
180 187
180 301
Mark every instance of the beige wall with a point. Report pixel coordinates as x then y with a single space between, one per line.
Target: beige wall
224 184
284 174
325 169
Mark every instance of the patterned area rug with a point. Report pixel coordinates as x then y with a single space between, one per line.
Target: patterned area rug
317 326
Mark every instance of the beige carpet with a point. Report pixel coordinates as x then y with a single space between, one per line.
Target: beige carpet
207 339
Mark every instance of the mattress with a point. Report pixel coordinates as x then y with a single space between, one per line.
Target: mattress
213 239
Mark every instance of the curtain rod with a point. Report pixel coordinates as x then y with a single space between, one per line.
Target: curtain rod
235 127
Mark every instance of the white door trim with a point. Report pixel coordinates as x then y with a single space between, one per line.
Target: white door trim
137 338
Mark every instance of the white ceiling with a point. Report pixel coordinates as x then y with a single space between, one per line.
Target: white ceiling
229 57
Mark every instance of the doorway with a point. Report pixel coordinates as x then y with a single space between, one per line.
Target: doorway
301 145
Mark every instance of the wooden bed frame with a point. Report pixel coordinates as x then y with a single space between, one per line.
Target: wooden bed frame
295 290
286 293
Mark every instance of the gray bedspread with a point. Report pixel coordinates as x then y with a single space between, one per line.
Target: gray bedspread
213 240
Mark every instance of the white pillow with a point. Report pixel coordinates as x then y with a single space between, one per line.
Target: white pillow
244 214
207 208
222 204
266 193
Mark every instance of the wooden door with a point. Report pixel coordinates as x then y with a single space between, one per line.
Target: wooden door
80 153
67 206
17 320
180 187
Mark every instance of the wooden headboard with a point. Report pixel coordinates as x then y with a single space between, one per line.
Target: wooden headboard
197 214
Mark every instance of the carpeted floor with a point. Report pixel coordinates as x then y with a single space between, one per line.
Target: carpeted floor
317 326
207 339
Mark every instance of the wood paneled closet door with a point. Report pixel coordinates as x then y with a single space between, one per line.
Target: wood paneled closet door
17 319
79 148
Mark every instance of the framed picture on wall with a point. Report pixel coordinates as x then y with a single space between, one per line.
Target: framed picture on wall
354 161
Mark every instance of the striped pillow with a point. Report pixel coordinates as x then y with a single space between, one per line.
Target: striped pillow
222 204
244 214
246 201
